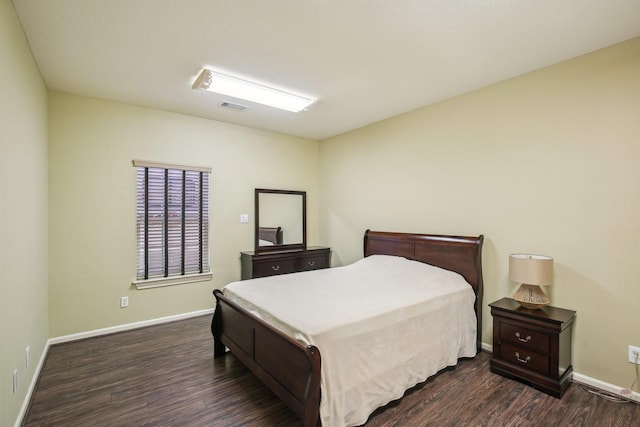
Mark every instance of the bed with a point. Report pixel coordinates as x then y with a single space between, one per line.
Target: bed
289 361
269 236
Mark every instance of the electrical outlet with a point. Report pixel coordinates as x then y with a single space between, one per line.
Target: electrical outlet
15 380
244 218
28 356
634 354
124 302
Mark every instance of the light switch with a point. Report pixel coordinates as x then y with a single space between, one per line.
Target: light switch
244 218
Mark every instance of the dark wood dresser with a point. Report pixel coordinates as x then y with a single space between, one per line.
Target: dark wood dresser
262 264
533 346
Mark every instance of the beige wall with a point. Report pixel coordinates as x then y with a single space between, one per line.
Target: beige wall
23 214
545 163
92 203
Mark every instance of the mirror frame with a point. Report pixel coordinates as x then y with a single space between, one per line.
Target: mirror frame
283 247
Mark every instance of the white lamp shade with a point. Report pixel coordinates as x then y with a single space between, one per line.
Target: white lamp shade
531 269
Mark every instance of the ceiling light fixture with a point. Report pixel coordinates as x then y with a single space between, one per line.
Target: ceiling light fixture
254 92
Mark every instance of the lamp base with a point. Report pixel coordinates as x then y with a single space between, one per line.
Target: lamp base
531 297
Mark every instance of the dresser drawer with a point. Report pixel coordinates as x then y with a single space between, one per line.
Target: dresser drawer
273 267
525 358
271 263
312 263
524 338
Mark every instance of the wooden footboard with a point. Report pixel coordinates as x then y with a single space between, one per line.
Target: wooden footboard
290 369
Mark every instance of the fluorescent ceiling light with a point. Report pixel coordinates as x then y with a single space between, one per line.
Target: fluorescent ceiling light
254 92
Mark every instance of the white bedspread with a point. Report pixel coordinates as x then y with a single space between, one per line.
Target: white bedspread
382 324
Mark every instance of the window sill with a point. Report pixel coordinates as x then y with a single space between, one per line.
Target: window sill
170 281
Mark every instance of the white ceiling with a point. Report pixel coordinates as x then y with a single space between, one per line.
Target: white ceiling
365 60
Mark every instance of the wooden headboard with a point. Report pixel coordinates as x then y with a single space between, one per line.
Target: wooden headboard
462 255
271 234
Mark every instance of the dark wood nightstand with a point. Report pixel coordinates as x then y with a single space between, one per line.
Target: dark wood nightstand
533 346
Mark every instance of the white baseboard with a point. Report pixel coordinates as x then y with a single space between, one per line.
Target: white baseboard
128 326
95 333
601 385
589 381
32 386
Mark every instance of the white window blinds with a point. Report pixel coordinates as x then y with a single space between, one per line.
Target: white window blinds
172 220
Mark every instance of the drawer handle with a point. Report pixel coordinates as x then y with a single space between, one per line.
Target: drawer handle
527 339
275 267
311 263
525 360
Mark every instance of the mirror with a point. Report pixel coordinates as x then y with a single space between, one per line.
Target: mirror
280 220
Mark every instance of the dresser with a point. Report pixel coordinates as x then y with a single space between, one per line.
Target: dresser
533 346
262 264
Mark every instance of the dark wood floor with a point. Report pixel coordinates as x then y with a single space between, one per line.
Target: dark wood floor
165 375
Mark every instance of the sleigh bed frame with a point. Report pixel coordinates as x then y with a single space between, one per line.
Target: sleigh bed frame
291 369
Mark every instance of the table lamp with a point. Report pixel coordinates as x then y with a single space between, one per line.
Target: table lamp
532 271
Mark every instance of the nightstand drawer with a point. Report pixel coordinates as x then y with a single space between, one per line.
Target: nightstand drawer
274 267
313 263
524 338
525 358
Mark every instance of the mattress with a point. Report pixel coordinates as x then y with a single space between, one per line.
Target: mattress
383 324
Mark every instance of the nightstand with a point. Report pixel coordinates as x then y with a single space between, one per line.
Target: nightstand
533 346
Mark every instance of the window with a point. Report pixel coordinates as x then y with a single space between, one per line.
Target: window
172 217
